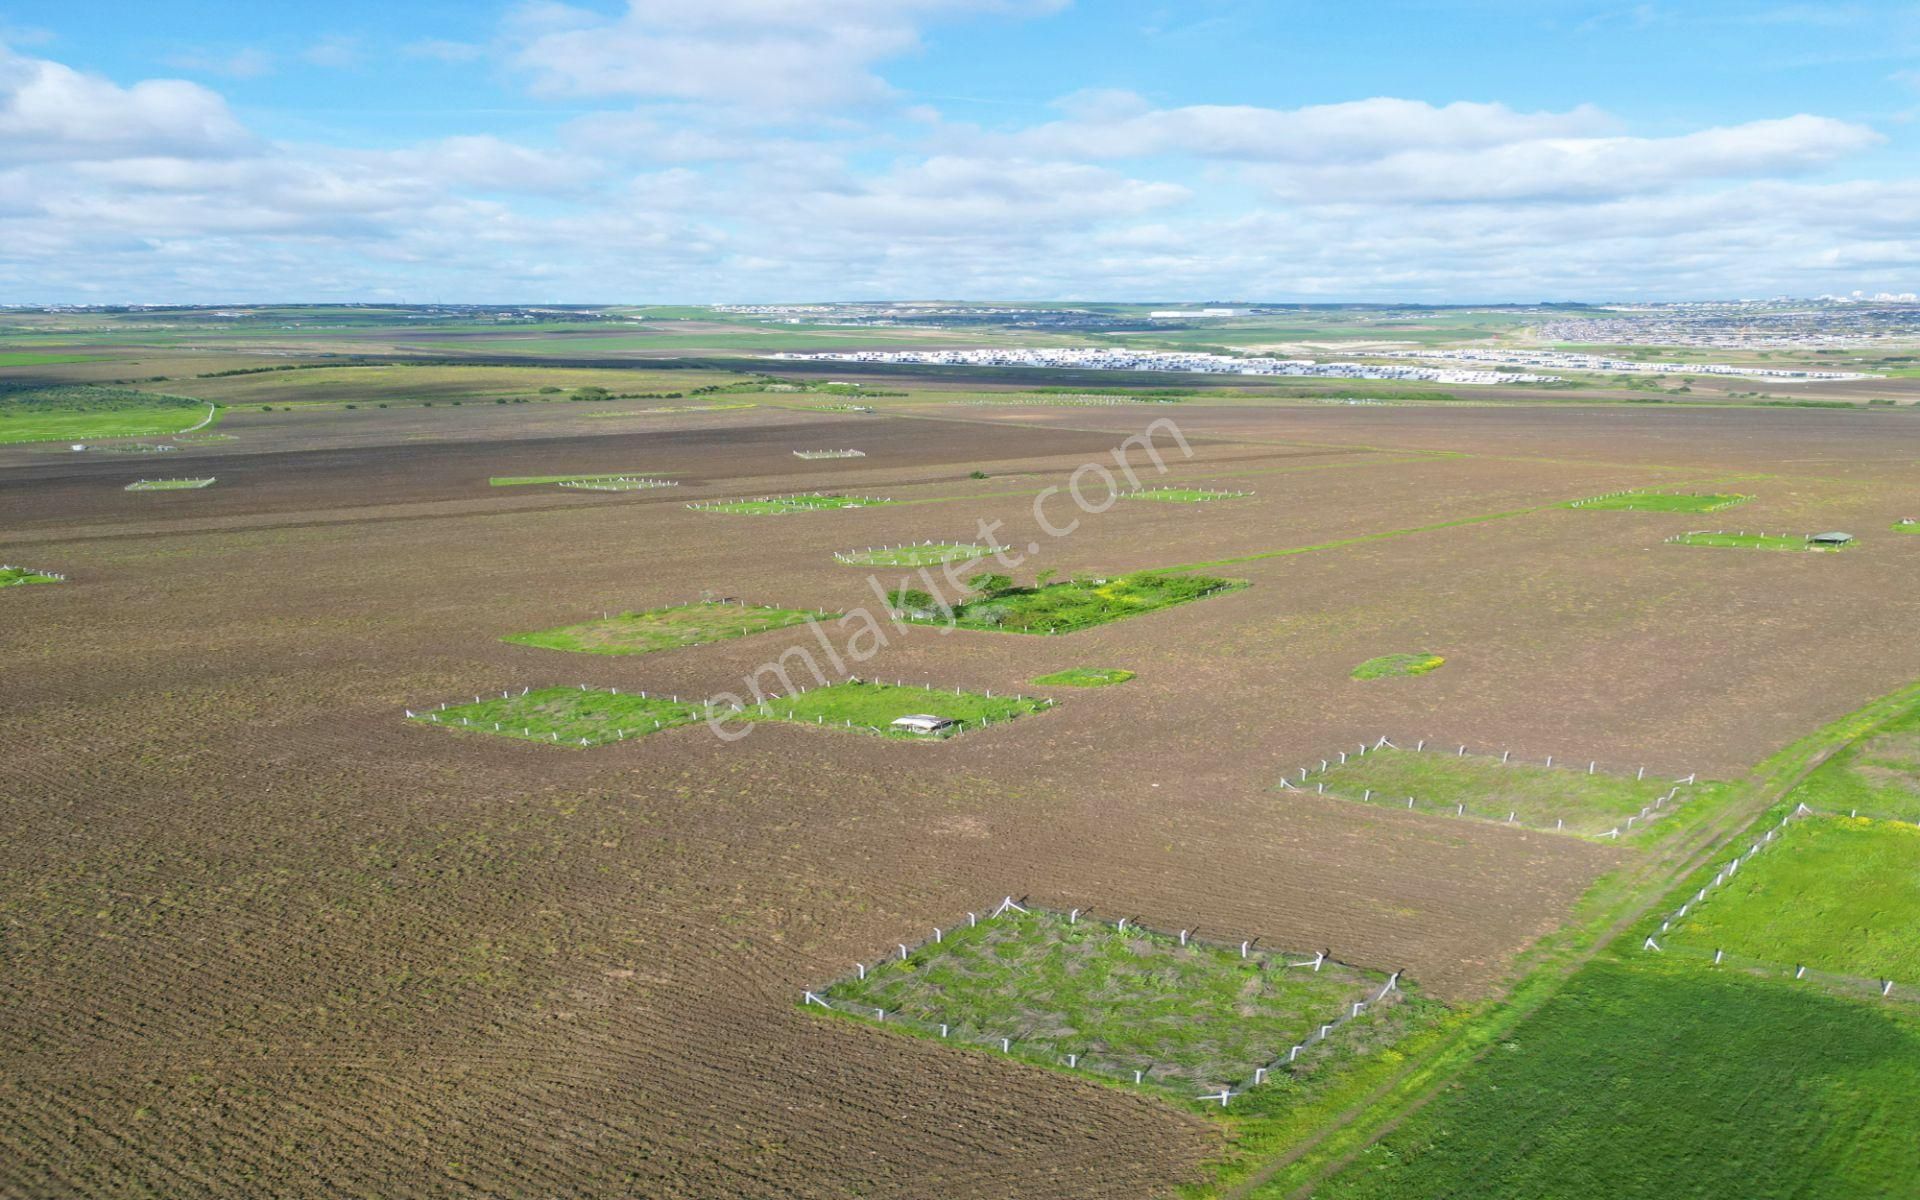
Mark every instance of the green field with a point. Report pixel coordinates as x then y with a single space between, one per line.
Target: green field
566 716
1173 495
169 485
21 576
1191 1018
668 628
872 707
1744 541
1062 607
1906 525
764 505
82 412
1877 776
1661 1079
1394 666
527 480
923 555
1838 894
1681 502
1563 798
1085 677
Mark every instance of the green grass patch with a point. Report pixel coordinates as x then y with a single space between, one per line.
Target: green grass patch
1745 541
11 576
873 707
670 628
169 485
1681 502
921 555
529 480
1191 1019
566 716
1085 677
1174 495
1906 525
1660 1079
776 505
1876 776
1837 894
84 412
28 358
1561 798
1062 607
1393 666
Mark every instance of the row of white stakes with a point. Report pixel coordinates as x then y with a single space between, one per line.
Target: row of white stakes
1726 874
1355 1009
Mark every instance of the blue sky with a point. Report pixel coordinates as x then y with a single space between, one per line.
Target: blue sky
756 150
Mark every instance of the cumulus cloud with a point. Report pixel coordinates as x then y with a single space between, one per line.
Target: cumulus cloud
775 54
49 111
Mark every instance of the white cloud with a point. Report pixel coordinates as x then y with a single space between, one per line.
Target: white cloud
773 54
245 63
49 111
1574 168
1107 125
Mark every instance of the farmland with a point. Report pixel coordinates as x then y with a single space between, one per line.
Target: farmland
1684 502
668 628
251 904
82 412
1837 894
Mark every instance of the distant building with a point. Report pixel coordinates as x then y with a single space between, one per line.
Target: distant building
923 723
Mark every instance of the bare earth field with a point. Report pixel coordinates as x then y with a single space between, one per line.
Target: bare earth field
266 937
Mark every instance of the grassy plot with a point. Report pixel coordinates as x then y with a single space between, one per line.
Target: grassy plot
1191 1018
922 555
1744 541
1062 607
81 412
169 485
775 505
567 716
1681 502
873 707
1541 797
1174 495
1657 1080
1877 776
11 576
529 480
1085 677
1393 666
1837 894
668 628
1906 525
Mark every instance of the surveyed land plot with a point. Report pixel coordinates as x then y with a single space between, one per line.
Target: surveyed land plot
1062 607
169 485
918 554
780 505
669 628
1395 666
870 706
1743 540
1173 495
1085 677
12 576
82 412
575 716
1836 894
1680 502
1197 1021
1574 798
1877 776
616 481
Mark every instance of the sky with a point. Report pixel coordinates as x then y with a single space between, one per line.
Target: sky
760 151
